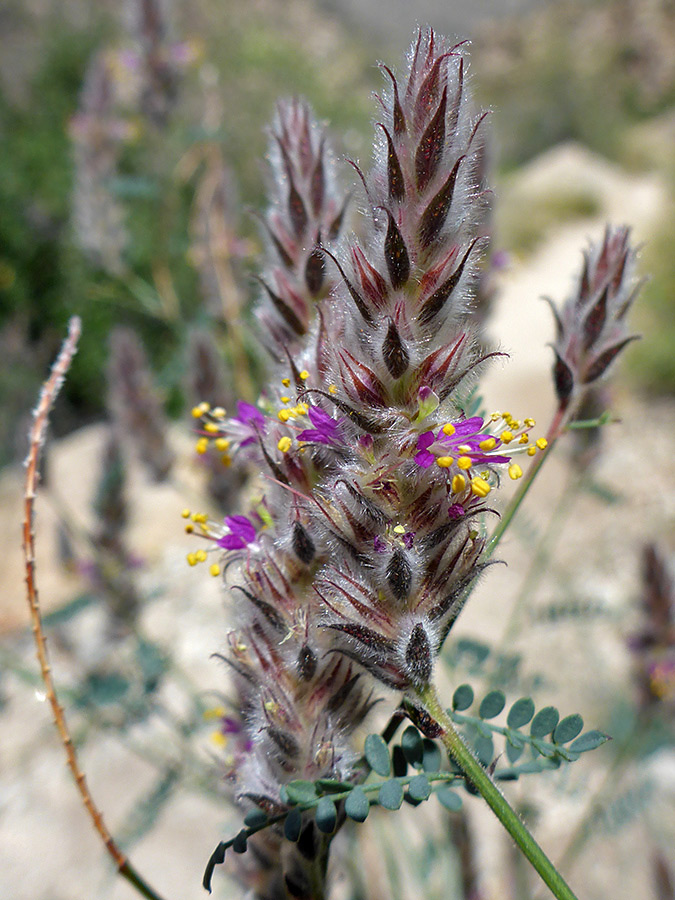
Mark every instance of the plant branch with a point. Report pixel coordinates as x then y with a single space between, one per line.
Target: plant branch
48 395
484 784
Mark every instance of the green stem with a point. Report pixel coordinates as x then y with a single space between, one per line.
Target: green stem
484 784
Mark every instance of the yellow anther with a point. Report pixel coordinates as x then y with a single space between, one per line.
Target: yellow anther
218 412
222 444
201 518
200 556
458 483
449 429
531 451
213 712
488 444
214 570
542 443
192 559
211 427
444 462
506 416
218 738
284 444
196 412
186 513
480 487
464 462
271 706
302 409
286 382
285 399
495 416
464 448
399 529
304 374
202 445
189 529
284 415
332 389
226 460
523 439
515 424
530 423
515 471
506 436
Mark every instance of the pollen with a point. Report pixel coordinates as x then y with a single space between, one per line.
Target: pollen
458 483
284 444
286 382
301 409
480 487
186 513
529 423
189 529
304 374
284 415
200 555
196 412
332 389
218 412
399 529
515 471
213 712
218 739
444 462
523 439
506 436
465 462
226 460
202 445
192 559
488 444
531 451
222 444
449 429
542 443
211 427
285 399
214 570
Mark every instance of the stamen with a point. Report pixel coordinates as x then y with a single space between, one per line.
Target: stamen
506 436
542 443
444 462
480 487
464 462
458 483
488 444
515 471
284 444
449 429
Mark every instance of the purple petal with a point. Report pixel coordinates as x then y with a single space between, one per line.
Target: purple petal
249 414
456 511
231 542
242 527
425 440
321 419
424 458
468 426
378 544
408 539
316 437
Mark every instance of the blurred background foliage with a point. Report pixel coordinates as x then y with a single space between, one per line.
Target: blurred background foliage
600 73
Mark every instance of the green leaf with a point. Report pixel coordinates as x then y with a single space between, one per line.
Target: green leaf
377 754
419 787
492 704
543 748
485 750
589 741
326 815
292 825
520 713
301 791
239 842
357 805
462 698
431 756
514 752
449 799
544 722
411 744
255 818
568 729
332 785
390 794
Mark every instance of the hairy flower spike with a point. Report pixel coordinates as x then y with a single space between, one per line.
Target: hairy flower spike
591 326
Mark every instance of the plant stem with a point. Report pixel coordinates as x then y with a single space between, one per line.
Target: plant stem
484 784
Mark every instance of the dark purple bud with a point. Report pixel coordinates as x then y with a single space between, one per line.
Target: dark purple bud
422 720
430 150
366 636
337 701
399 575
563 378
296 210
356 297
434 216
453 118
428 92
268 611
303 545
396 254
595 320
306 663
556 318
315 270
336 225
317 185
397 111
418 656
396 183
284 256
434 304
599 365
285 742
394 353
285 311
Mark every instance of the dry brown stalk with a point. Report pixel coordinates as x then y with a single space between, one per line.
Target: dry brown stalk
50 390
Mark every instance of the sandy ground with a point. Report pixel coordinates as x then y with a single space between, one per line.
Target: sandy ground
48 847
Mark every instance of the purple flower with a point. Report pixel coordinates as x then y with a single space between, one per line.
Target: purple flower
379 546
242 533
423 457
326 428
249 415
464 438
456 511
